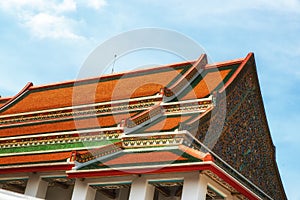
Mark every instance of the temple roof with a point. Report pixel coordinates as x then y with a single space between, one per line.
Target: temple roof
95 112
115 87
116 122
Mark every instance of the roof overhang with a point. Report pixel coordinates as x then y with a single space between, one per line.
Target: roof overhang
172 168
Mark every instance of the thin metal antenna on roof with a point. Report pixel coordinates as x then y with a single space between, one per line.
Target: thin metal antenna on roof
112 69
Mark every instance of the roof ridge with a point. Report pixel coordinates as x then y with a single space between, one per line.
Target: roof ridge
224 63
107 76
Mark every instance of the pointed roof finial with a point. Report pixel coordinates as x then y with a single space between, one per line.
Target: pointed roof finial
112 69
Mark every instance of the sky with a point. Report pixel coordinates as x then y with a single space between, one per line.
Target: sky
48 41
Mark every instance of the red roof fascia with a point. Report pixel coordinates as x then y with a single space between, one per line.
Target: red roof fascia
62 167
5 98
231 182
146 170
239 69
195 65
26 88
224 64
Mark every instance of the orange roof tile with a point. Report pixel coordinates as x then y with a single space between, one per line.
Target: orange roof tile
36 158
205 87
114 87
2 103
145 158
168 123
103 121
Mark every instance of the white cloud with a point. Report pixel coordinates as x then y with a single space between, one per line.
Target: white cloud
34 6
12 5
66 5
195 9
279 5
44 25
49 19
95 4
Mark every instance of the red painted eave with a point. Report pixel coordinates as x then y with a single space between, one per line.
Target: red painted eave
44 168
168 169
130 171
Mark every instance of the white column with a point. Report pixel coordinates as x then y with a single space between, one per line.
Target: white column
82 191
36 187
194 187
91 193
123 194
141 190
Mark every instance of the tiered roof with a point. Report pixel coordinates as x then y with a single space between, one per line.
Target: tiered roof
129 122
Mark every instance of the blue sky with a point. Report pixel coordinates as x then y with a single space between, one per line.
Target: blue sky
47 41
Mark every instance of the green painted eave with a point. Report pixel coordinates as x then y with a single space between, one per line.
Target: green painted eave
61 146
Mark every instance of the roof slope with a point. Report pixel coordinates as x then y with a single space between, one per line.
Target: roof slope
95 90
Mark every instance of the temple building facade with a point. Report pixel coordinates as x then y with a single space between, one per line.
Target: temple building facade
183 131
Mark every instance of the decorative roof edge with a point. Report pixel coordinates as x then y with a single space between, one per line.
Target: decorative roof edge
224 64
116 102
79 132
189 76
5 99
226 167
239 69
17 96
